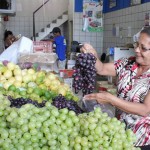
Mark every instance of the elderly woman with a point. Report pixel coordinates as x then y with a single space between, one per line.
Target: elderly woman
133 88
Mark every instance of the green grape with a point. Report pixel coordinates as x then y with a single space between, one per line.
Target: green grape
5 145
33 132
86 132
64 111
1 113
33 119
20 147
45 130
32 125
39 135
85 148
43 141
34 139
52 142
63 126
64 147
54 135
53 119
75 119
69 122
24 128
77 146
91 138
28 147
58 121
62 116
84 142
34 145
4 134
53 127
95 144
72 113
104 128
45 148
27 136
22 141
78 139
55 112
13 114
38 124
72 142
106 144
92 126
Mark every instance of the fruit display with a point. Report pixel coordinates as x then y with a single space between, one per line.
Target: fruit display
48 128
84 73
39 112
31 84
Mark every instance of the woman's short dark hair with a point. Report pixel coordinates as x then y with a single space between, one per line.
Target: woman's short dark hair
146 30
7 33
56 30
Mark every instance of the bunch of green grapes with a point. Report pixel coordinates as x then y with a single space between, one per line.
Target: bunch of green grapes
47 128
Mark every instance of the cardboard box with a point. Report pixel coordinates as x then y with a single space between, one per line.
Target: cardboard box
45 58
42 46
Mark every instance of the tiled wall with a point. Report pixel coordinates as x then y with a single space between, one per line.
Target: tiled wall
1 35
94 38
129 17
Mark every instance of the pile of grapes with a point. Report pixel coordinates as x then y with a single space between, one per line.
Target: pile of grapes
48 128
18 102
61 102
84 73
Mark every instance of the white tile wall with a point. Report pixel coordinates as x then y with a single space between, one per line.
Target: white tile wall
129 17
2 26
94 38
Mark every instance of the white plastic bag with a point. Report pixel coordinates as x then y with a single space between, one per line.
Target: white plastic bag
23 45
10 53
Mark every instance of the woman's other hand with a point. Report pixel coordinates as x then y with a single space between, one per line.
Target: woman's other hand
102 97
87 48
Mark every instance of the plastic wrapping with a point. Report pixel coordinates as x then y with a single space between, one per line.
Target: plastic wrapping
90 105
45 58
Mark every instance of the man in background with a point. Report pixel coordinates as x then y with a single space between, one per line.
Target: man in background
60 43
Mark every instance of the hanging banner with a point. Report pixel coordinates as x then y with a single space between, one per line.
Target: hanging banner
92 15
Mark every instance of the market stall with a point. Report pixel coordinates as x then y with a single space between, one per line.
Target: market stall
40 111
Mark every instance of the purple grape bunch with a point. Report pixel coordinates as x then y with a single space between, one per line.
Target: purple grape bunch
61 102
18 102
84 73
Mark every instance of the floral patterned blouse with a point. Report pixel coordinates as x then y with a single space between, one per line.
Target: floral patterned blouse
134 89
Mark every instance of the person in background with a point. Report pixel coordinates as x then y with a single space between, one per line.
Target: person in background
9 38
60 43
133 88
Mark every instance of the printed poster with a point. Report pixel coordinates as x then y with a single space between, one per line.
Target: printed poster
92 15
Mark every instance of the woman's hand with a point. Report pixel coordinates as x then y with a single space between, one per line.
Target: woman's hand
102 97
87 48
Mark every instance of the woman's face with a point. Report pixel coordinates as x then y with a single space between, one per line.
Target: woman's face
143 50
